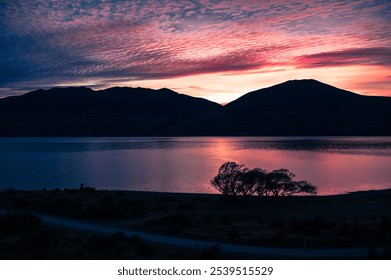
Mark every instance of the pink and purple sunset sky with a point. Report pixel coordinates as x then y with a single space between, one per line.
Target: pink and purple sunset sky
214 49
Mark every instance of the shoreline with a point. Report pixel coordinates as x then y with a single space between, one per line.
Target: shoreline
4 189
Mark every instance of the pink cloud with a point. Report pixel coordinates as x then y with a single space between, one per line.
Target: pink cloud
166 39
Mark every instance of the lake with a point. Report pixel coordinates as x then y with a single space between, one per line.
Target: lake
186 164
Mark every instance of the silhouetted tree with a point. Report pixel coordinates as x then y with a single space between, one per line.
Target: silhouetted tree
234 179
229 181
277 181
304 186
254 181
280 183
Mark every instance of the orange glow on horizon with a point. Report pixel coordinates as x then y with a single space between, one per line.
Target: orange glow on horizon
215 50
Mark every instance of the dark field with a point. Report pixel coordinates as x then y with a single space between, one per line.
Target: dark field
357 220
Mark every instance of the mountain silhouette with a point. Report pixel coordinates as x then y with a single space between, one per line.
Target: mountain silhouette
292 108
304 96
118 111
309 107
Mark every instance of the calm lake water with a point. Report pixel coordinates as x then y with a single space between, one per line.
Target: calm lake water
186 164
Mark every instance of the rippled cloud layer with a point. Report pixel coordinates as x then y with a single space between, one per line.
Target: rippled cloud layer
215 49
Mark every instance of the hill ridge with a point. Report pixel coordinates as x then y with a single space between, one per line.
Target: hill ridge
292 108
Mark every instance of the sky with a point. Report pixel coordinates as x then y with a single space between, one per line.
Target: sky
218 50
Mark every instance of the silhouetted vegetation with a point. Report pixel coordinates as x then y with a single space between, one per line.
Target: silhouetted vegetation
23 236
234 179
358 220
12 223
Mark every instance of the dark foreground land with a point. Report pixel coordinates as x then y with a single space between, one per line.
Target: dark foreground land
357 220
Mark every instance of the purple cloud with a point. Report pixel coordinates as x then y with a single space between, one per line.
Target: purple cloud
357 56
53 42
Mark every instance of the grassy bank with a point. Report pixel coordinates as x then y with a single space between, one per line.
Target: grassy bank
357 220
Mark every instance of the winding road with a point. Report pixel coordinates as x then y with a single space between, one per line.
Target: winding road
198 244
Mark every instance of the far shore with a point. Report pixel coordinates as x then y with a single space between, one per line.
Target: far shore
354 220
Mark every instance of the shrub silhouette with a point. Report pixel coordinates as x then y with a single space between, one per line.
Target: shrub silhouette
234 179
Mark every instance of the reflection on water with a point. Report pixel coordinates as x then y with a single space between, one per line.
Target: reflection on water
186 164
356 145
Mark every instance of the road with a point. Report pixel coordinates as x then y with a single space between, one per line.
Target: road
198 244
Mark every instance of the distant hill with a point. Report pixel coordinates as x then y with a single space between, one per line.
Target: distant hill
305 96
309 107
295 95
84 112
293 108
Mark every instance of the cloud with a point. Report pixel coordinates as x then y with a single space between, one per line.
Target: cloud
357 56
57 42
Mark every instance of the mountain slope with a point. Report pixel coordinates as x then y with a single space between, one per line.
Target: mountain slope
309 107
84 112
303 95
293 108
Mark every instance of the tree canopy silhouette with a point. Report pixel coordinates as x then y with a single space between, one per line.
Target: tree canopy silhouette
228 181
234 179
